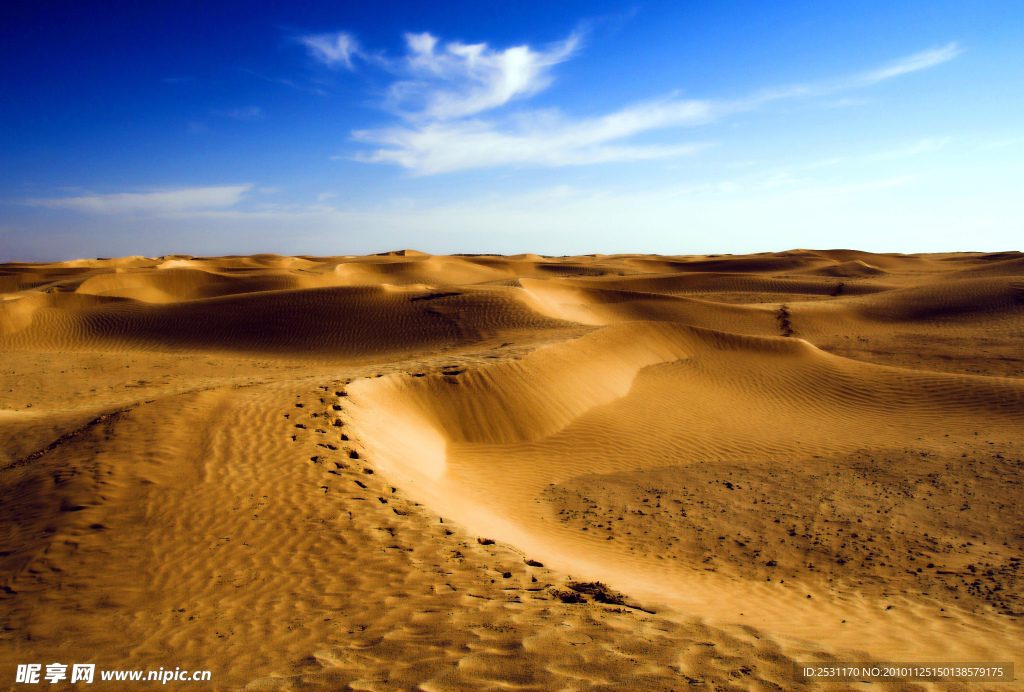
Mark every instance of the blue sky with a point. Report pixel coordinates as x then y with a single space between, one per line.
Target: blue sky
555 128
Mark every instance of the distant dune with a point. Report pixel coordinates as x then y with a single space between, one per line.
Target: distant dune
407 471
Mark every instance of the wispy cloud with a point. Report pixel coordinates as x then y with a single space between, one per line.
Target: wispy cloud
539 138
157 202
911 63
459 80
334 50
449 98
245 113
444 89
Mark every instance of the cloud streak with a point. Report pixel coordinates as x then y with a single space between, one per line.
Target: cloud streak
334 50
163 202
543 138
912 63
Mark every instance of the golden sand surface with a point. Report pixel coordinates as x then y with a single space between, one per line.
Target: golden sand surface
407 471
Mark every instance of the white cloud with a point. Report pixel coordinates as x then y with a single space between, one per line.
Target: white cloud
465 79
912 63
334 50
539 139
443 89
444 93
160 202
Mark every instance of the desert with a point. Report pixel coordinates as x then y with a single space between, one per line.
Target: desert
450 472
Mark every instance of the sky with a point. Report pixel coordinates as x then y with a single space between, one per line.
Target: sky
331 128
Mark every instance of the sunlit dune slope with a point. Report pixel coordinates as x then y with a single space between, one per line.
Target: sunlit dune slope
485 446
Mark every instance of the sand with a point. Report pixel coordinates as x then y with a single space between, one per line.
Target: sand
408 471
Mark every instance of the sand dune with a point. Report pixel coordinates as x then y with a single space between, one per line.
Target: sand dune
848 269
408 471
